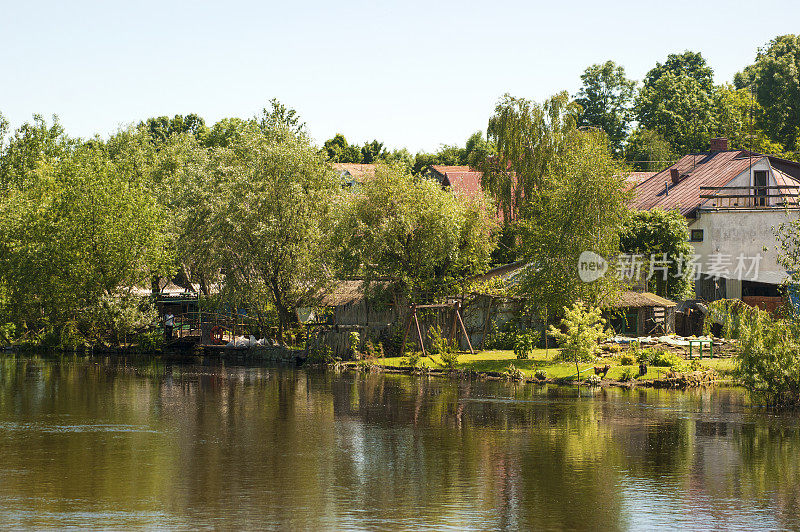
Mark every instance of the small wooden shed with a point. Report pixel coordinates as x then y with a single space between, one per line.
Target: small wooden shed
371 309
641 314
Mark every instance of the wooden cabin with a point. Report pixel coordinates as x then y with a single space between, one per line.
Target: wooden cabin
352 306
641 314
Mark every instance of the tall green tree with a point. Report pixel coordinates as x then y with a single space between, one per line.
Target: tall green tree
30 145
269 202
569 192
775 78
647 150
677 102
606 100
529 138
75 242
739 120
278 115
162 127
410 230
339 150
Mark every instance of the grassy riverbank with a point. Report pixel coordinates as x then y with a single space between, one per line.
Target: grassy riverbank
499 361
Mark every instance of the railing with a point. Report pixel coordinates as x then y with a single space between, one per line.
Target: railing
200 324
752 197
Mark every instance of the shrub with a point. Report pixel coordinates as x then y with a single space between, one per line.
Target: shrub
443 347
584 328
540 374
514 373
614 348
593 380
665 359
449 358
355 340
626 360
412 359
321 355
372 351
523 346
627 375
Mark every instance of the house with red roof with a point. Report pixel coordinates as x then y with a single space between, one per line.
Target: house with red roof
733 201
459 179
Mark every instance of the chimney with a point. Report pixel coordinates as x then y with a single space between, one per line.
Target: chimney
719 144
675 175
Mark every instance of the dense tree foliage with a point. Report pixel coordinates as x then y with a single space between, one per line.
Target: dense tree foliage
606 100
677 102
649 151
775 78
568 191
409 229
662 236
267 218
77 238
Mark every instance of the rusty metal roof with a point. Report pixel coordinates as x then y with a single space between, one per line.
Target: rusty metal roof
710 169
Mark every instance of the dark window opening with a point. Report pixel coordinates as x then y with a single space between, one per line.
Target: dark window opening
760 188
753 288
696 235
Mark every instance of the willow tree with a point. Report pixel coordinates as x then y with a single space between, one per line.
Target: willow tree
569 195
529 139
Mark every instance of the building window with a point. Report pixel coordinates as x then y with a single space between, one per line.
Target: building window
760 188
696 235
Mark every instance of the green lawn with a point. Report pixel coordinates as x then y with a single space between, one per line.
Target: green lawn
500 360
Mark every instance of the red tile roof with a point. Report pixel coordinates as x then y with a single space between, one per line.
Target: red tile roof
443 169
711 169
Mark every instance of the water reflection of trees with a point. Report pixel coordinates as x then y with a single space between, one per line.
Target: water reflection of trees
255 446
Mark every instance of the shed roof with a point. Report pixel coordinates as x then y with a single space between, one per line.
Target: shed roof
630 299
344 292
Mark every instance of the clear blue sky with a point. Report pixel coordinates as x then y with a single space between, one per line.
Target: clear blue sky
414 74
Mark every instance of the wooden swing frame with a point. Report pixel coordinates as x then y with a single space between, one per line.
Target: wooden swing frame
454 331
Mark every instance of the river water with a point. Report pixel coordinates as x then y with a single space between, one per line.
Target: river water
113 443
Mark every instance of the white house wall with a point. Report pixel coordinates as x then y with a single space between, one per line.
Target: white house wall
746 232
735 232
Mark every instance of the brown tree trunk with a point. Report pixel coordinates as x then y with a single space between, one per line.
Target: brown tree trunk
285 316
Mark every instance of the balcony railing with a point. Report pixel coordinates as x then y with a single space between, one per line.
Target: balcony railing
768 197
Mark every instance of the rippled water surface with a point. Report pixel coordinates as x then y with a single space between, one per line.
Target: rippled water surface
112 443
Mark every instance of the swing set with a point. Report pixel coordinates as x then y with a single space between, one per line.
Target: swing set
454 330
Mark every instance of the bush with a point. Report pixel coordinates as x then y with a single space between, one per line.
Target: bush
593 380
443 347
768 356
540 374
449 358
371 351
626 360
355 340
664 359
523 346
412 359
514 373
321 355
627 375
